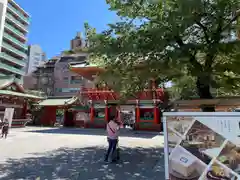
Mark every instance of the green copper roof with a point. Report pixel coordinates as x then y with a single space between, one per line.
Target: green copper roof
18 94
6 80
79 108
58 102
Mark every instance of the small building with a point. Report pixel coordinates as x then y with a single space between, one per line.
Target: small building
13 95
52 104
42 78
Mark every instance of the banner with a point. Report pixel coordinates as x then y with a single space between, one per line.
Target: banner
8 115
203 146
82 116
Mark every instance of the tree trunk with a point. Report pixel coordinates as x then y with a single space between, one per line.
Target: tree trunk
203 88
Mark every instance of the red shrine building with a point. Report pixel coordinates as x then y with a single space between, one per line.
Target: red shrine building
13 95
93 105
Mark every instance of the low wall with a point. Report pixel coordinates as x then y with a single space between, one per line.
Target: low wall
19 123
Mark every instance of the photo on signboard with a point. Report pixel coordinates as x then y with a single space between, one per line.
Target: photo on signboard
173 140
203 142
217 171
230 157
179 124
184 165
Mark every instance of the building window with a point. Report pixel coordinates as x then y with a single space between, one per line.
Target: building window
65 79
76 79
67 90
58 89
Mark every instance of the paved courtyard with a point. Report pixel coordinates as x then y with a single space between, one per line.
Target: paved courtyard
49 153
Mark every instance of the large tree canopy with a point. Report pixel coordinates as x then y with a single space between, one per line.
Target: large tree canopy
170 39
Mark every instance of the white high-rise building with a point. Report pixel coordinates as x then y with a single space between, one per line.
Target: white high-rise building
36 57
14 22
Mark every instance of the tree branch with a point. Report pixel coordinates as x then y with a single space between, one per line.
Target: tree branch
192 59
216 39
231 21
204 31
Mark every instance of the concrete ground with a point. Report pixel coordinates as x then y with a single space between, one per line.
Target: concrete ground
52 153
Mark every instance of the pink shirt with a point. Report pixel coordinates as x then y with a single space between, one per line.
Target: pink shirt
112 130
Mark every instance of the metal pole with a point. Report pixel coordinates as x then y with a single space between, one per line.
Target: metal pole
166 150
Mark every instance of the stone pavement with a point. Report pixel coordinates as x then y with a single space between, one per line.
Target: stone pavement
52 153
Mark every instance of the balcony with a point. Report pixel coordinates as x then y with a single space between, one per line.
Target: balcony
11 69
15 21
17 13
12 59
15 31
15 41
14 50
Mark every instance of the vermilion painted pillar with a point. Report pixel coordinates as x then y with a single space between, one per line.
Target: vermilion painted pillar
106 112
24 110
137 112
156 115
92 114
137 117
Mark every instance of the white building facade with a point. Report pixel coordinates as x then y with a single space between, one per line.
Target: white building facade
36 57
14 22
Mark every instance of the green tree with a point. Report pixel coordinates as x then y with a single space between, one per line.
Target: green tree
183 88
169 39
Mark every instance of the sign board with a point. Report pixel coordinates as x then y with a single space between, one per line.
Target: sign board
8 115
145 106
128 108
99 106
82 116
202 145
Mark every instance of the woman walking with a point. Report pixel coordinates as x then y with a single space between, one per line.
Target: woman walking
113 128
5 128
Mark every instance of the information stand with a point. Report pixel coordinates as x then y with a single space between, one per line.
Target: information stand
8 115
202 145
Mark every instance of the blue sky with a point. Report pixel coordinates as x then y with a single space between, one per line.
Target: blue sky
55 22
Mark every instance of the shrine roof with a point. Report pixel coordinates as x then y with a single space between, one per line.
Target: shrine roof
84 65
218 101
19 94
58 101
86 70
6 81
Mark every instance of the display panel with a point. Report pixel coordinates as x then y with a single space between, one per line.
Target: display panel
203 147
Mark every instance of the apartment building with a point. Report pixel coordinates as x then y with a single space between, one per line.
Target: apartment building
68 83
42 79
77 41
14 22
36 57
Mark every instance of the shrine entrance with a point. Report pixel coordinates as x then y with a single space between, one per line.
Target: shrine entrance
50 107
69 119
128 116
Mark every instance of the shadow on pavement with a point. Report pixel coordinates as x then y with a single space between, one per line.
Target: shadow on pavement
97 132
87 164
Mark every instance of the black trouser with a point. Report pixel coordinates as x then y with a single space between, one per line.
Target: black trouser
112 144
5 131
